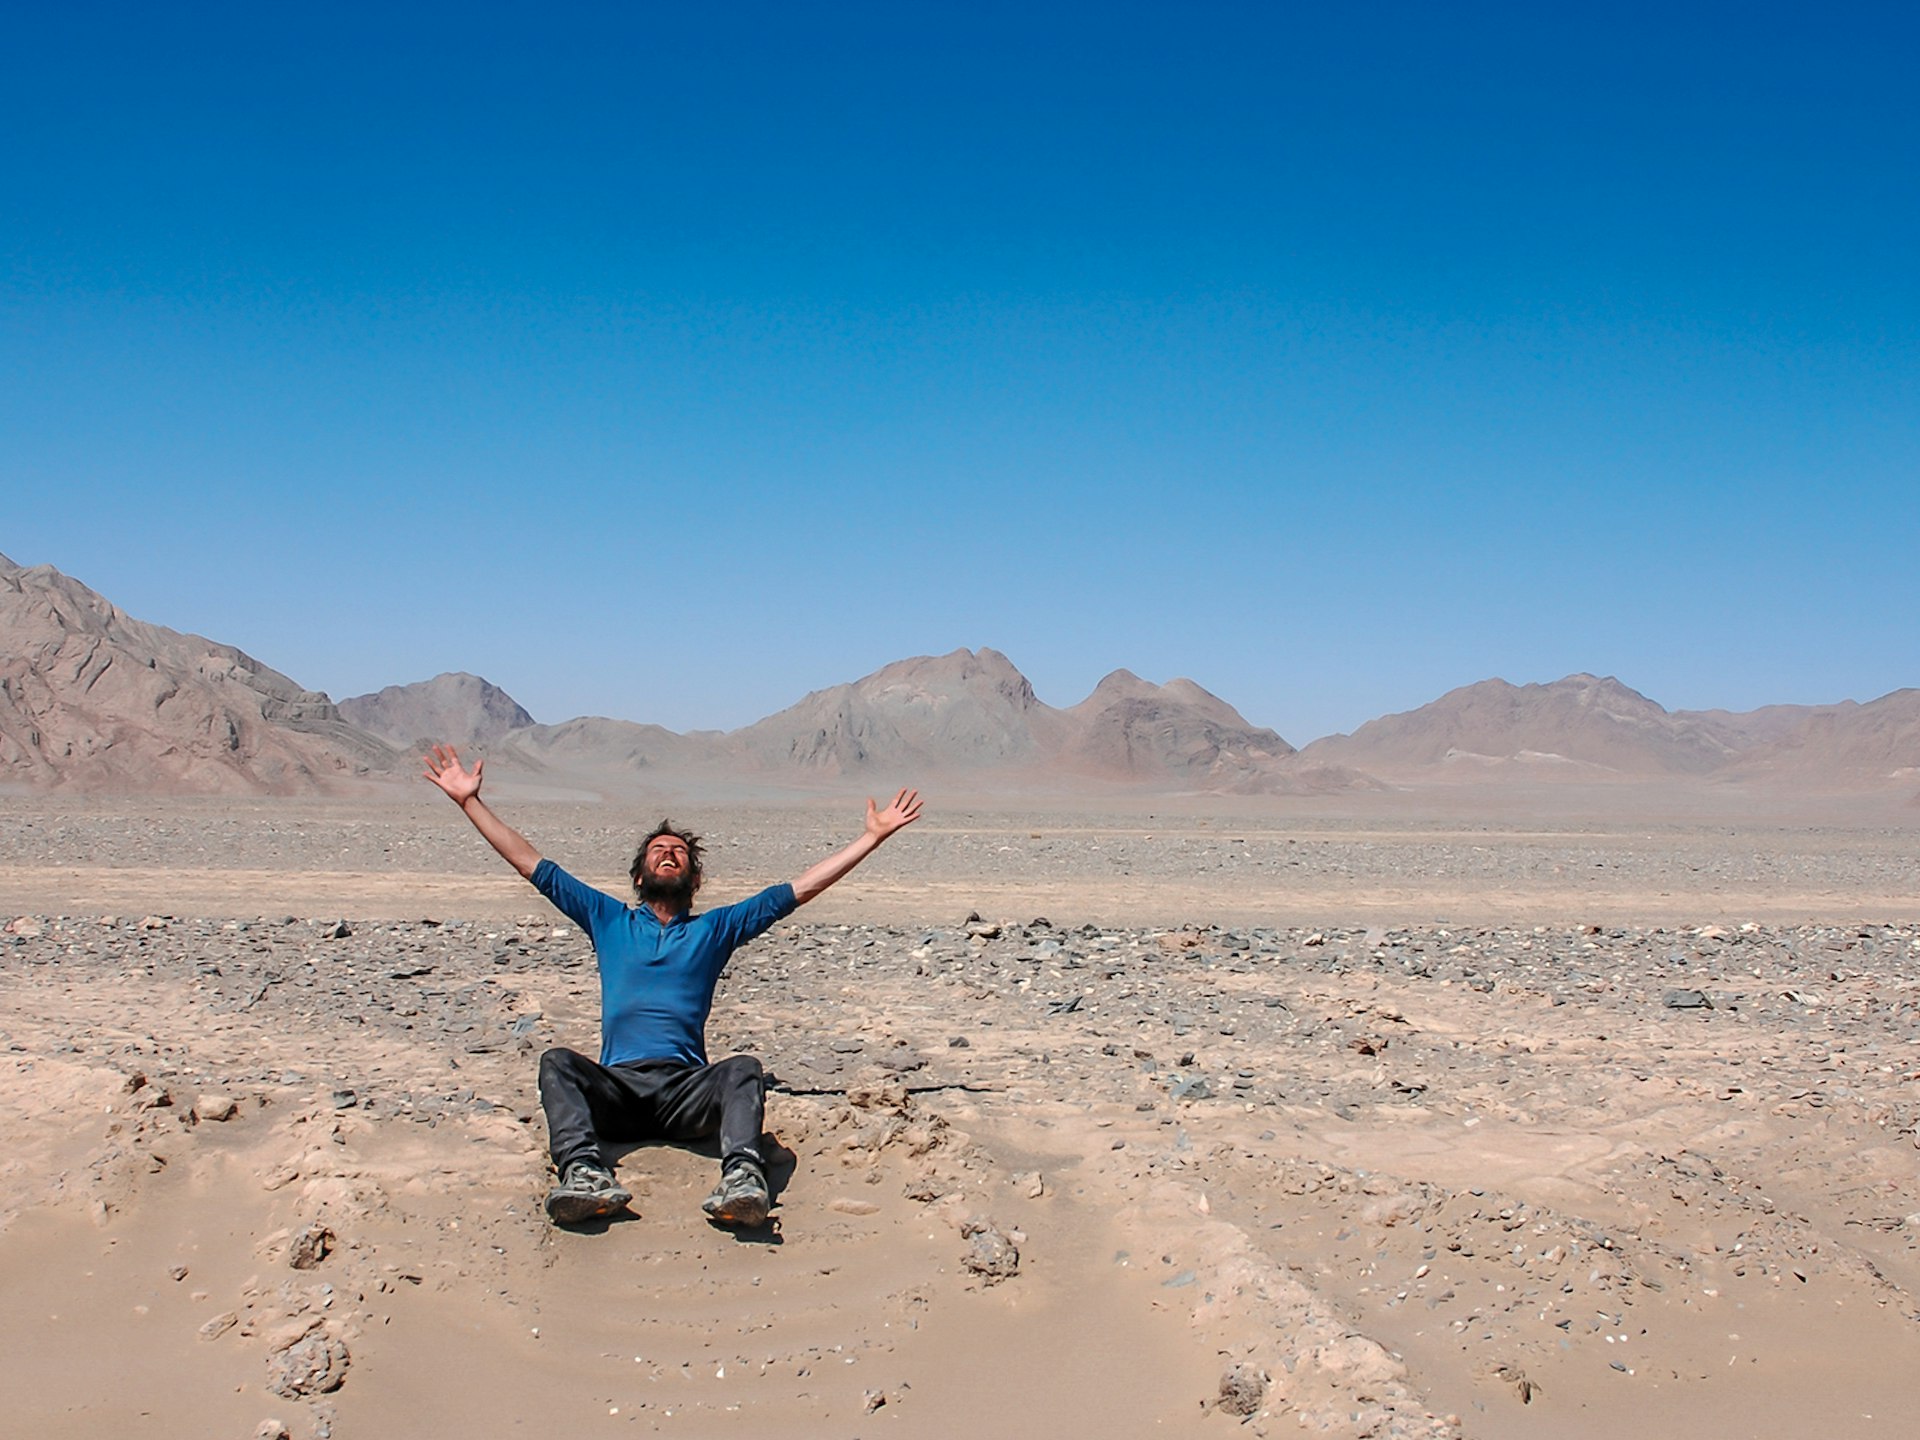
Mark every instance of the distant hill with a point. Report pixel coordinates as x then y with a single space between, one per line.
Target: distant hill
1845 743
1584 724
456 708
968 710
594 742
93 699
1131 729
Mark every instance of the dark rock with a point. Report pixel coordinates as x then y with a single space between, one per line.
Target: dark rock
991 1255
1686 1000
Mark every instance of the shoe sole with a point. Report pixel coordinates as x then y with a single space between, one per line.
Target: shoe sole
745 1214
569 1209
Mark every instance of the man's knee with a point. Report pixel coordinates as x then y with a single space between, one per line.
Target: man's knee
741 1070
560 1064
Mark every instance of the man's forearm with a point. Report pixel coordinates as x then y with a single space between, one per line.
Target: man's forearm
818 877
514 847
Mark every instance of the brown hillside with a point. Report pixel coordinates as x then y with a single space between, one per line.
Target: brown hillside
91 698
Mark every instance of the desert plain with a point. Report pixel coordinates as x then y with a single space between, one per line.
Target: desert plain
1368 1116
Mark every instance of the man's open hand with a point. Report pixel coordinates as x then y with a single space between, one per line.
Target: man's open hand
461 784
904 810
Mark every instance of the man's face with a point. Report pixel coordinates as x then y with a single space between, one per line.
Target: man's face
666 856
666 871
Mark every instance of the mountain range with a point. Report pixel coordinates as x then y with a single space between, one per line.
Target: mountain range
92 699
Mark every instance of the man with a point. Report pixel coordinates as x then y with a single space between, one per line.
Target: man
659 963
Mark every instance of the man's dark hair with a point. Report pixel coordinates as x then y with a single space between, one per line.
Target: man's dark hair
666 827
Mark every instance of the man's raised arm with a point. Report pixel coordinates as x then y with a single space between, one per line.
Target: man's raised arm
904 810
462 786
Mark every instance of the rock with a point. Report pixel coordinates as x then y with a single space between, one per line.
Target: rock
272 1430
310 1247
1686 1000
1195 1089
1390 1210
1243 1390
959 1042
312 1365
845 1206
887 1096
991 1255
219 1325
215 1107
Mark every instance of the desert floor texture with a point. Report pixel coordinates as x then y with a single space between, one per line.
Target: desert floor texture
1116 1123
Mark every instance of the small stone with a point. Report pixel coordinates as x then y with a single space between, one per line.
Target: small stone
992 1256
310 1247
219 1325
215 1107
846 1206
1686 1000
959 1042
272 1430
313 1365
1243 1390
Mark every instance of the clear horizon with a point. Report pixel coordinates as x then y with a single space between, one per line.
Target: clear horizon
670 366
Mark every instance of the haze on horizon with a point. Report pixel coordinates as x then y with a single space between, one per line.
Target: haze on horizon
669 365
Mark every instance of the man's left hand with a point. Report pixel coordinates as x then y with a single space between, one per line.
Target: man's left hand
904 810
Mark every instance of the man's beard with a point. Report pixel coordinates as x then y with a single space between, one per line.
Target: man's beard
675 890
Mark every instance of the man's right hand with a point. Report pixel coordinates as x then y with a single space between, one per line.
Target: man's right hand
445 770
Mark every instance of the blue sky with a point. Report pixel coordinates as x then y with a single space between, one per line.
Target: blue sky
668 365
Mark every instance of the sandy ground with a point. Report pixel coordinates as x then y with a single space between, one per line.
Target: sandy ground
1374 1125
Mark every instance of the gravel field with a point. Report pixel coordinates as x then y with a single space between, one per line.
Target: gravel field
1541 1172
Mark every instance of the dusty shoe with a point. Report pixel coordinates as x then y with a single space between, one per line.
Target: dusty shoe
740 1198
585 1192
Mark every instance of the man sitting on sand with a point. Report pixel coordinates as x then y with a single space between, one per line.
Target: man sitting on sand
659 963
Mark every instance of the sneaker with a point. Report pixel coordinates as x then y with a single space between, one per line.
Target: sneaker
585 1192
740 1198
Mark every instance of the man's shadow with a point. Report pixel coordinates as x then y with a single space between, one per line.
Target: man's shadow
781 1164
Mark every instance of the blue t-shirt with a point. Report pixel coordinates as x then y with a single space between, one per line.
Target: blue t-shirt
657 981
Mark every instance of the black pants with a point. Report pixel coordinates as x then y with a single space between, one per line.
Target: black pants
587 1102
